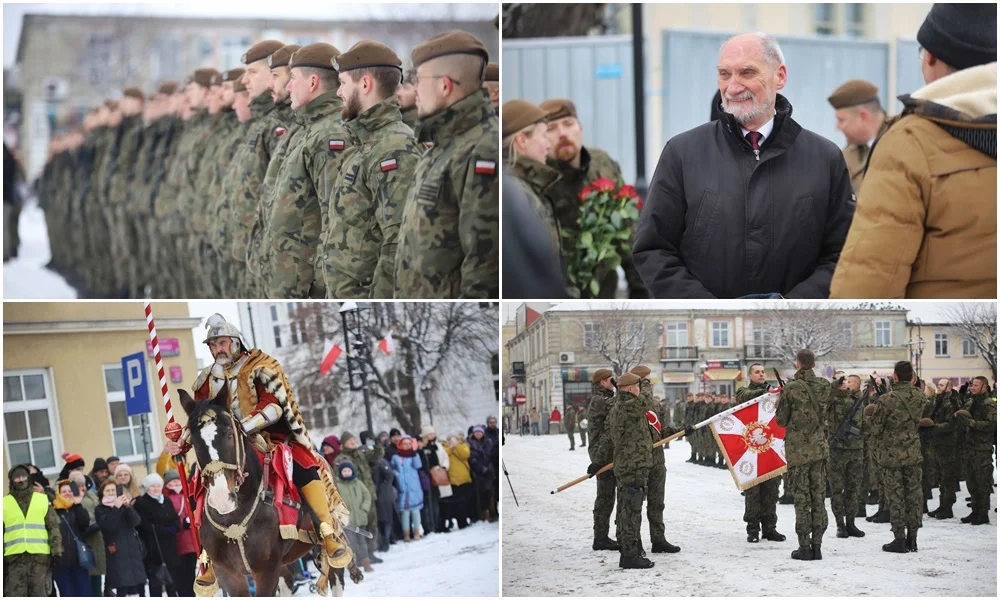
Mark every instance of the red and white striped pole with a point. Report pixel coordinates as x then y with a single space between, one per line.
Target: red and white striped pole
159 360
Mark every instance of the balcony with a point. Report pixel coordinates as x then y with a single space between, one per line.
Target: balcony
678 353
760 353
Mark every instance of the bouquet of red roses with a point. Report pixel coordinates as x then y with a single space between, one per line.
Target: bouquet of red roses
608 209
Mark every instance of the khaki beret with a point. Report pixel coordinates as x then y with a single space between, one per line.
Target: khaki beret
281 56
492 72
217 79
518 114
627 379
168 87
318 55
232 75
601 375
366 54
133 92
260 51
451 42
853 93
558 108
203 77
238 85
642 371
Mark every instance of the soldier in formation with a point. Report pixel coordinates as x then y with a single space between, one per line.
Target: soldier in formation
759 502
601 450
977 421
306 173
846 468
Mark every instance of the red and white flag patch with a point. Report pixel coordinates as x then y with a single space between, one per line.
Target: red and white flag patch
336 144
279 131
388 165
654 421
486 167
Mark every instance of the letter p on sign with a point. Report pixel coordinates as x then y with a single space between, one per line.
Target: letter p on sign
136 384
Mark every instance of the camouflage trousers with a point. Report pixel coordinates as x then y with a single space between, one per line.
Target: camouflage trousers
904 494
760 506
604 504
628 518
845 471
655 491
27 575
928 483
944 467
583 437
979 476
569 433
869 482
809 489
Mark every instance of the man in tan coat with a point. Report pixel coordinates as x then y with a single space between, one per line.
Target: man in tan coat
926 227
861 119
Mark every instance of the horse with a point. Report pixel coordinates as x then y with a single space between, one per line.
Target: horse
239 530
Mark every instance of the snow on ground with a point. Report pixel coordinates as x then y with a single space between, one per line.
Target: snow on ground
26 275
461 563
547 541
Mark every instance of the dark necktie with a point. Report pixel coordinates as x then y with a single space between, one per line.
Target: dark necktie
754 137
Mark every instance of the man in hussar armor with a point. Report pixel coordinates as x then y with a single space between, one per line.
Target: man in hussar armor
262 400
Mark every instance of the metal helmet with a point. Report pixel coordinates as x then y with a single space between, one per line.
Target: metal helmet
218 326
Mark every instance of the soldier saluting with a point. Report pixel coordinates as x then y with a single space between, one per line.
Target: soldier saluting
602 401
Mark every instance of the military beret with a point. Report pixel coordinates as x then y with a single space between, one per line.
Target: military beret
232 75
319 55
451 42
111 105
558 108
492 72
853 93
518 114
238 85
627 379
217 79
203 77
642 371
260 51
133 92
366 54
601 375
281 56
168 87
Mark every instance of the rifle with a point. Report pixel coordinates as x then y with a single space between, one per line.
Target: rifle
777 377
846 427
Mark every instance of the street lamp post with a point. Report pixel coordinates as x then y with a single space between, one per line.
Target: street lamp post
354 341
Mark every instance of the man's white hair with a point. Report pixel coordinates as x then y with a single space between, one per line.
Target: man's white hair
769 46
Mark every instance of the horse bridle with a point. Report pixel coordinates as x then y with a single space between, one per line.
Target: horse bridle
215 466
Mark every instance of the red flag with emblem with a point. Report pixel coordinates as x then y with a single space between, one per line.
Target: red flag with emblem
654 421
752 441
331 352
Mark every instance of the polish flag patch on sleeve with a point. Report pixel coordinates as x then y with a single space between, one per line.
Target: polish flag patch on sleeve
279 131
486 167
388 165
336 144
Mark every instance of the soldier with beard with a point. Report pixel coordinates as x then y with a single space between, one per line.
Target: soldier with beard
31 538
406 95
602 400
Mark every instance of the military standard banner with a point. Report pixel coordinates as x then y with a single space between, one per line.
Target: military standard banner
752 442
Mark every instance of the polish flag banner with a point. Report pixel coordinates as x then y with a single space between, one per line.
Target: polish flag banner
331 352
752 442
386 345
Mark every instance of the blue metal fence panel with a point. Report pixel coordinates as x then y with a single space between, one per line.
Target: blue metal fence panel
908 76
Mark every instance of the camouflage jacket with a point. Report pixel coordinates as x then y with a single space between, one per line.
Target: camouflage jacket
981 428
192 193
153 134
537 182
357 251
894 426
750 392
646 395
161 162
291 206
841 402
801 410
601 402
449 240
569 417
167 201
123 179
631 439
944 433
215 158
220 205
410 117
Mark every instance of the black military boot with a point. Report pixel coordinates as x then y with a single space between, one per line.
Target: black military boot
693 459
606 543
722 464
841 527
774 536
944 512
927 511
753 537
664 546
803 553
911 541
969 517
881 516
852 530
634 562
786 499
817 555
872 498
897 545
980 518
861 514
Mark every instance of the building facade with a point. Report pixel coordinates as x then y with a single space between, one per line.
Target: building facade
689 351
63 389
942 351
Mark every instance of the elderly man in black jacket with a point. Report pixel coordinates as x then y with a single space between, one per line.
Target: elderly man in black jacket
749 205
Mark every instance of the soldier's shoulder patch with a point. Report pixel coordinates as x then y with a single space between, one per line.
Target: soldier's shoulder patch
336 145
388 165
279 131
486 167
428 145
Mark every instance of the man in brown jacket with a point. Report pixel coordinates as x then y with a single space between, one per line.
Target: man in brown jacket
926 226
861 119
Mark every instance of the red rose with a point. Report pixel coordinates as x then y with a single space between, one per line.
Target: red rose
584 193
627 191
638 203
603 184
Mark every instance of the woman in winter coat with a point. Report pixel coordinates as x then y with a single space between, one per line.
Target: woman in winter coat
330 449
461 479
118 522
481 461
173 489
358 500
158 531
71 578
124 476
406 465
429 452
385 501
95 540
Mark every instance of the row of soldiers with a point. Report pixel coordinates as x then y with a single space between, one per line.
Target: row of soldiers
309 173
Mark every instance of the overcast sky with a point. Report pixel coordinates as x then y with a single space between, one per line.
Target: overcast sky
296 9
204 309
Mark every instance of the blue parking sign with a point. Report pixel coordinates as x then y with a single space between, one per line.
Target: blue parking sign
136 384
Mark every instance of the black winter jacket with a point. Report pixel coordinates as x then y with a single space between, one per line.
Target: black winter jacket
76 519
121 541
718 223
159 524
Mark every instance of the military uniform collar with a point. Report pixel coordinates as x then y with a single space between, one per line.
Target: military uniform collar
457 118
535 173
757 386
568 168
367 123
324 105
261 105
804 374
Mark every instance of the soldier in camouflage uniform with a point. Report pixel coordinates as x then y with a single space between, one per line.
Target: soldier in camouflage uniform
632 437
602 400
27 573
363 209
760 501
569 424
942 428
449 236
846 467
895 419
406 95
657 480
978 422
802 409
491 83
122 182
690 408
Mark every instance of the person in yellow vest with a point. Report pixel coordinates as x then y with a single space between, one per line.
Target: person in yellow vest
31 538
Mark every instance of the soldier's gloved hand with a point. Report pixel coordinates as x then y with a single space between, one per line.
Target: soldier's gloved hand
688 431
927 422
963 414
592 469
964 389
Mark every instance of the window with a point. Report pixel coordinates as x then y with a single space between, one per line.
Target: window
291 309
968 348
233 48
848 20
825 20
846 335
274 312
636 334
677 335
941 344
293 330
277 334
126 431
854 20
883 334
29 419
302 331
591 335
720 334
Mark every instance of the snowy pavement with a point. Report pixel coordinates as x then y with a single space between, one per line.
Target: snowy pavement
26 275
546 541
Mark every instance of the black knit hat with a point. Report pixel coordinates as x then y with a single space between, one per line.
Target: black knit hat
99 465
961 35
394 432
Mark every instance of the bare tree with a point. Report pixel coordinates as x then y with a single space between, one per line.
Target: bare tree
785 331
522 20
977 322
624 336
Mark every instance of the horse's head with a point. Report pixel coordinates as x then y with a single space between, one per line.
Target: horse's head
218 446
